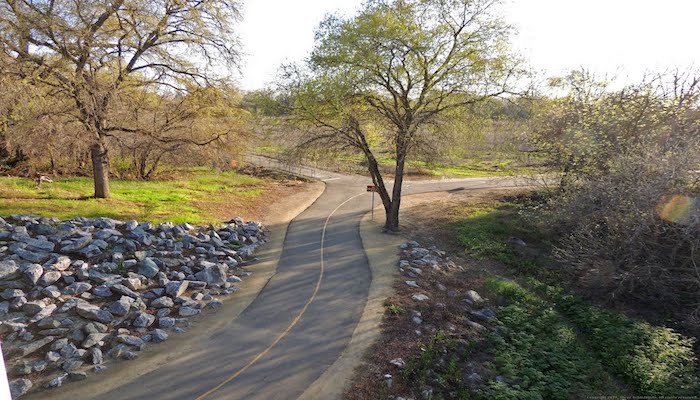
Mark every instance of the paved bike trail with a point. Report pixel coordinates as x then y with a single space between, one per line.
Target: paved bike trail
302 319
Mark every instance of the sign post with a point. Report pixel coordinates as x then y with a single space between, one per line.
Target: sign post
373 189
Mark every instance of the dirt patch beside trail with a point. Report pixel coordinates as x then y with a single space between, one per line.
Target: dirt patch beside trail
429 220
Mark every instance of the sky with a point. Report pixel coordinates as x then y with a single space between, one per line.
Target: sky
622 38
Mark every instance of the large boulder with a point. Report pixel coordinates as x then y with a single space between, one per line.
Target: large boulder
20 387
96 356
49 278
166 322
122 306
102 291
147 268
176 288
33 272
32 256
40 245
159 335
77 288
143 320
9 293
32 307
77 244
61 264
31 347
93 313
188 311
8 270
44 313
121 289
213 274
93 339
471 297
162 302
130 340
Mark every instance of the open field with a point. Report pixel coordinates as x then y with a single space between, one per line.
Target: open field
483 164
197 196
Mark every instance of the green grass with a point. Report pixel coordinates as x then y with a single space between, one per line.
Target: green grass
484 229
191 197
476 168
465 168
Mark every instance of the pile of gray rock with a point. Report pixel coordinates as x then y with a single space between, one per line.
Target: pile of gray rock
77 293
415 259
422 270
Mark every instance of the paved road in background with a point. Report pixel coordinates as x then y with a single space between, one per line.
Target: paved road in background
302 319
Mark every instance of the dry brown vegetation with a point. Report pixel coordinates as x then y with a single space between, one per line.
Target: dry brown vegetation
625 211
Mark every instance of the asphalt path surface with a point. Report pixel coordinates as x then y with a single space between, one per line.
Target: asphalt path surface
303 318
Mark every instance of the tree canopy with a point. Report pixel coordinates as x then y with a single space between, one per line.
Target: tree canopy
89 51
389 75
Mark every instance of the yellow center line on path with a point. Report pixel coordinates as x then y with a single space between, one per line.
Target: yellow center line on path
294 321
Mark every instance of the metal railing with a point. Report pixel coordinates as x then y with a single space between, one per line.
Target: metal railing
288 166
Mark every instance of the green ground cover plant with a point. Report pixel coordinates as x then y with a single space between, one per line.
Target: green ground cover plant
538 352
655 360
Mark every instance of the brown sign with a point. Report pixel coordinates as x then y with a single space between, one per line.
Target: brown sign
371 188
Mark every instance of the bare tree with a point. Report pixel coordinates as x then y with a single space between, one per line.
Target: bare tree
90 51
171 128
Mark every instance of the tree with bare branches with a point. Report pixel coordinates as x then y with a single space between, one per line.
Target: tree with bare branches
91 51
393 74
178 129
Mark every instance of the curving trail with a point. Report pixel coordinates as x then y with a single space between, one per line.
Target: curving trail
301 320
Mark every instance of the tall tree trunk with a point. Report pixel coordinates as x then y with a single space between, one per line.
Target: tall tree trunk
391 203
375 173
100 169
373 167
392 213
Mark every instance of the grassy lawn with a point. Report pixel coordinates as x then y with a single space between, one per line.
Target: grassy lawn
194 196
551 341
